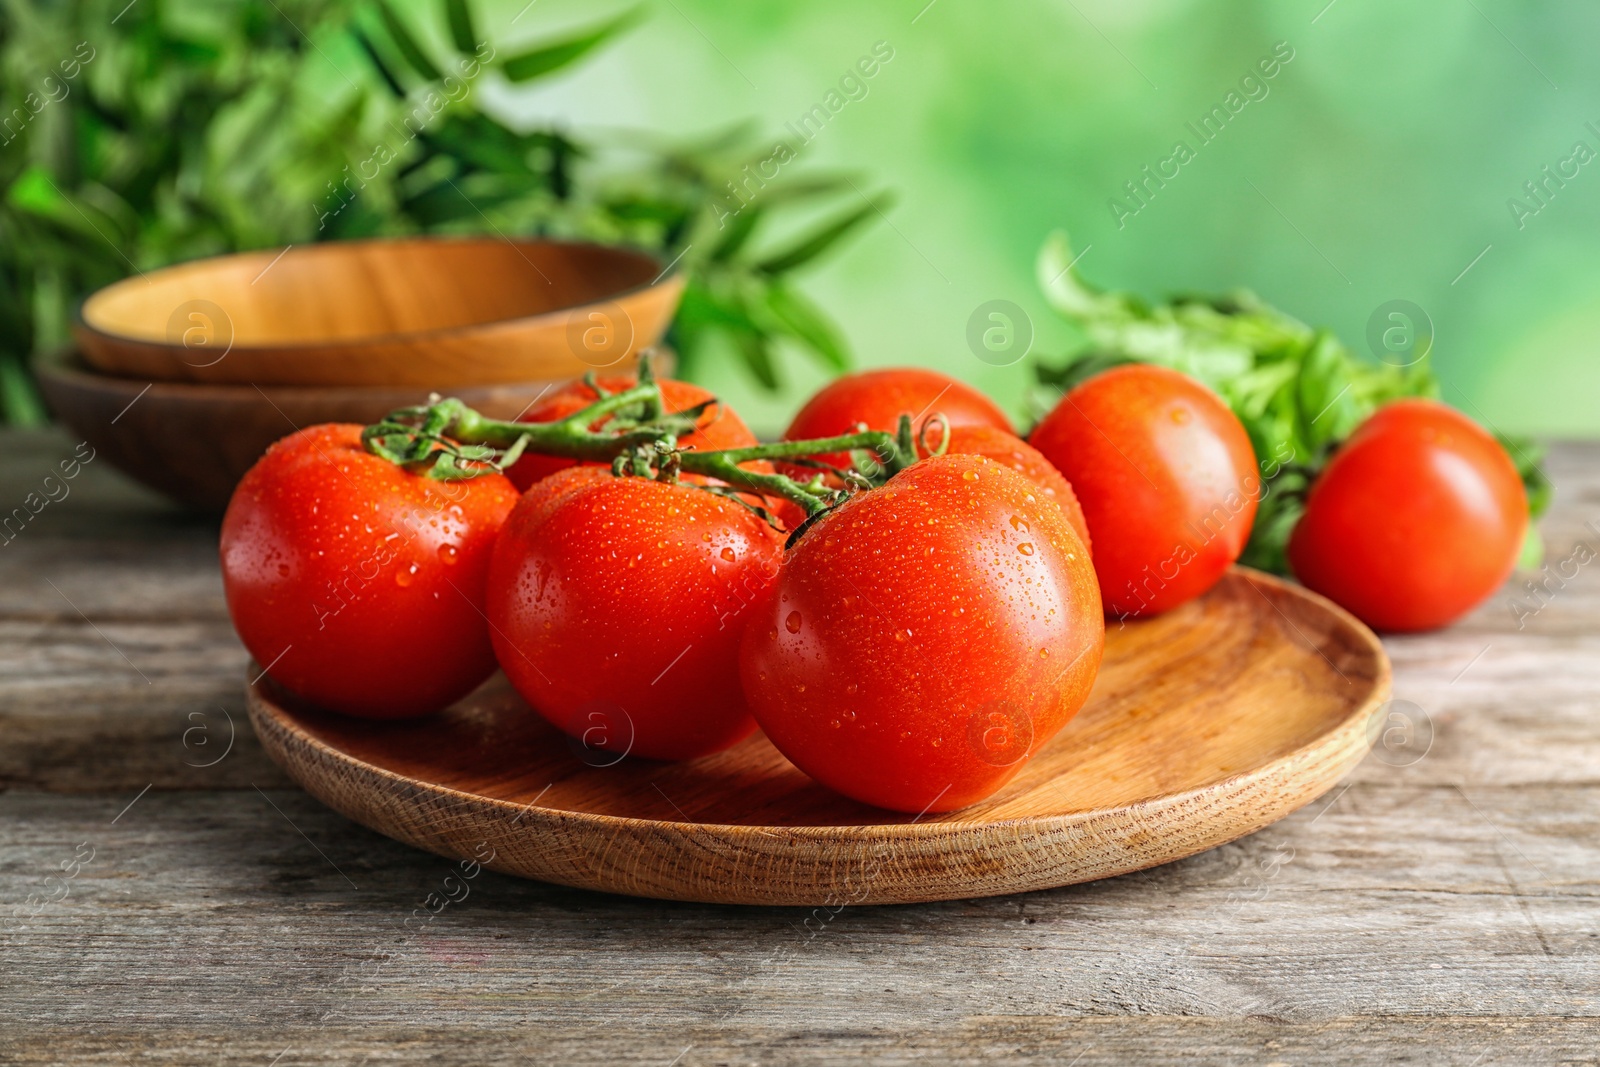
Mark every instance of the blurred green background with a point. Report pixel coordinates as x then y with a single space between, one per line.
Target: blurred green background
1377 166
1389 146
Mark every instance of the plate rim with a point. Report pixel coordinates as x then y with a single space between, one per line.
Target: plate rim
260 703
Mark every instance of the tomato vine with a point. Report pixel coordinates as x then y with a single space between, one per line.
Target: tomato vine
447 440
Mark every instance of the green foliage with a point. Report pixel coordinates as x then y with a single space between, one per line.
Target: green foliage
1298 390
138 136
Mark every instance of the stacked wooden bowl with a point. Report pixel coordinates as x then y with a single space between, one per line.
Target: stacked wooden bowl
182 377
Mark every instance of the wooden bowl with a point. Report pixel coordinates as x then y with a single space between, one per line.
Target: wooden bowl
438 313
1205 724
194 442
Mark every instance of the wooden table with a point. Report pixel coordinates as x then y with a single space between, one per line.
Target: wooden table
189 904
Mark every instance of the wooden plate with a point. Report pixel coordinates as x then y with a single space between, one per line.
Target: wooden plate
1205 724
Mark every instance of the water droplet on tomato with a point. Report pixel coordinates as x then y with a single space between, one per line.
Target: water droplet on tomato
283 570
969 476
448 553
792 623
1019 524
404 576
729 555
1026 548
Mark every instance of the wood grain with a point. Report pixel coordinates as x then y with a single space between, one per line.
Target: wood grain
1206 724
1440 912
209 914
428 312
1149 1041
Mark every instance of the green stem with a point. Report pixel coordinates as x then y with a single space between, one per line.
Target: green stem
571 437
437 433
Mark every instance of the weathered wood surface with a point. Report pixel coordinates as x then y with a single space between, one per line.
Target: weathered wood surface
1444 911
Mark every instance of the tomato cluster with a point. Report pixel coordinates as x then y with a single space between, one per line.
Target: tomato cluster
909 612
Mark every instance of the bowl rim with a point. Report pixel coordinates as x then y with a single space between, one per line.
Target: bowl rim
65 363
668 275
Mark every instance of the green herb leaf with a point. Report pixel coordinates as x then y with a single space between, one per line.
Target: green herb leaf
737 232
32 190
407 44
757 354
1531 558
809 248
459 17
378 63
543 60
807 323
1528 454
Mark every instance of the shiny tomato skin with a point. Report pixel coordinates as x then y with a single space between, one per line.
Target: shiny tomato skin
879 397
1167 479
1416 520
719 427
927 637
1009 450
357 584
627 597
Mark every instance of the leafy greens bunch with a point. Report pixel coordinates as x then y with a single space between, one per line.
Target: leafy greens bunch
1299 391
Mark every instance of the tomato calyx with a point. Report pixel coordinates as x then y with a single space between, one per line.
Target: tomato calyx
447 440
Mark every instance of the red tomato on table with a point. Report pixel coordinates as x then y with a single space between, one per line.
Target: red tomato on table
719 427
617 606
927 637
1167 479
879 397
1416 519
357 584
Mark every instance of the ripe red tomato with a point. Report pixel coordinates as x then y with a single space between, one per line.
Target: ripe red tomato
927 637
357 584
719 427
1416 519
879 397
1009 450
1167 479
617 606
